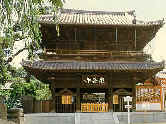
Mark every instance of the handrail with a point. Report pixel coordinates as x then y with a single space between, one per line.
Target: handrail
95 52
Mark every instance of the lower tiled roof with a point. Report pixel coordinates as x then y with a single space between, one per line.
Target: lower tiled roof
90 66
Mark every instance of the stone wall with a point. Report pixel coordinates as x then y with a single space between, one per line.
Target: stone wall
16 115
6 122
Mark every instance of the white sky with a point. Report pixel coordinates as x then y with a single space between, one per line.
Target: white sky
147 10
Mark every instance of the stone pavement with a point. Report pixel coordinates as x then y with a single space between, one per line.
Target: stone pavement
152 123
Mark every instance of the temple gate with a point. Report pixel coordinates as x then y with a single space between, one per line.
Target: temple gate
96 60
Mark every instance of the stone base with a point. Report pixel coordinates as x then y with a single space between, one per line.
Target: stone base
6 122
94 118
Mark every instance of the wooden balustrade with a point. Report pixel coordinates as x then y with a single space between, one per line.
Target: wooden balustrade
94 107
97 52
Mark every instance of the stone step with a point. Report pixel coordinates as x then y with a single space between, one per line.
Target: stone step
96 118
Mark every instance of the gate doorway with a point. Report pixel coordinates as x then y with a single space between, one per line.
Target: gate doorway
93 100
118 99
65 102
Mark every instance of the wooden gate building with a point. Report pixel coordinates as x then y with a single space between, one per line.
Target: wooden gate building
94 58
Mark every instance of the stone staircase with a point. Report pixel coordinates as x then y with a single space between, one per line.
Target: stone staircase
69 118
95 118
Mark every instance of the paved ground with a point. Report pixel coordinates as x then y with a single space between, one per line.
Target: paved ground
152 123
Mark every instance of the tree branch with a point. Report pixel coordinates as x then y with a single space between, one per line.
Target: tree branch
17 53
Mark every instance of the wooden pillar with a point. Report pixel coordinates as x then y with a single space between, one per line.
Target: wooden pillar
135 39
116 37
78 104
52 87
134 95
110 93
75 34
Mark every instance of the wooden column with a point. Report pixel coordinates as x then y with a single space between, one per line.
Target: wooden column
78 105
135 39
110 93
75 34
134 95
116 37
52 86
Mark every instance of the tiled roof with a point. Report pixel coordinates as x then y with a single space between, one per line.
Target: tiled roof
71 16
90 66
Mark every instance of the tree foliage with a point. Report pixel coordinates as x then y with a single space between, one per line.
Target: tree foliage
18 21
21 88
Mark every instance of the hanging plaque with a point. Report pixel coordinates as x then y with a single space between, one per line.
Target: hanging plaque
115 99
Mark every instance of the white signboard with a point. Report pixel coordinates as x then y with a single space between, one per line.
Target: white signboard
128 106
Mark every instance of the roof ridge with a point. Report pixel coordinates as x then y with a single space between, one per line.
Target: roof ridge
81 11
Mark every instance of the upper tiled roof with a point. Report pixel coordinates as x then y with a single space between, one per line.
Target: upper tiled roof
71 16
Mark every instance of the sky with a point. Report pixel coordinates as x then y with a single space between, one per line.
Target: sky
147 10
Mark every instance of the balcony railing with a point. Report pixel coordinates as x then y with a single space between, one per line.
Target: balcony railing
91 45
59 52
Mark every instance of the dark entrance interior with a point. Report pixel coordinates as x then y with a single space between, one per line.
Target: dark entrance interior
118 99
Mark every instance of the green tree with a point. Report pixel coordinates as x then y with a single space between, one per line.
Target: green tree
21 88
18 21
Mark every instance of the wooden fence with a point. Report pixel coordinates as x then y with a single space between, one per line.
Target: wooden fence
37 106
42 106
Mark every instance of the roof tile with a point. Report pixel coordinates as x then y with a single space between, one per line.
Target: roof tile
71 16
126 66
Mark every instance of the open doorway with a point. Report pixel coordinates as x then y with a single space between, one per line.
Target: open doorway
118 99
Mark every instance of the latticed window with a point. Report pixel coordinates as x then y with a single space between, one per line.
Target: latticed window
66 99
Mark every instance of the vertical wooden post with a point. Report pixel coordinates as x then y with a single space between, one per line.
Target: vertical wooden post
75 34
52 87
116 37
161 98
134 95
110 93
78 105
135 39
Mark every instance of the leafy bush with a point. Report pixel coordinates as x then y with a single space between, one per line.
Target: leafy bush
21 88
